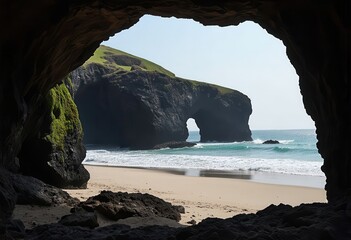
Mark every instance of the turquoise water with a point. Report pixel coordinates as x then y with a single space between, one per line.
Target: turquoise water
295 155
295 144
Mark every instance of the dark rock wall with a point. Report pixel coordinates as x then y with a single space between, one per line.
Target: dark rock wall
140 109
54 151
43 41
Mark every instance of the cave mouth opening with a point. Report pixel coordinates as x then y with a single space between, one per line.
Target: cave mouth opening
237 65
306 92
214 67
254 62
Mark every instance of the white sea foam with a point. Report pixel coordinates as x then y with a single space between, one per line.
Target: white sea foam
151 160
257 141
296 155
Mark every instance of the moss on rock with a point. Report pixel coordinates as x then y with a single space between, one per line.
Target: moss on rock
64 116
55 151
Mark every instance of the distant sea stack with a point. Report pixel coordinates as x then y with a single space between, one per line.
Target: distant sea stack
131 102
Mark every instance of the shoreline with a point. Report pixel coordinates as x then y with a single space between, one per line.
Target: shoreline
254 176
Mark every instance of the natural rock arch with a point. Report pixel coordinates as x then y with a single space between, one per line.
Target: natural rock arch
44 41
142 109
225 127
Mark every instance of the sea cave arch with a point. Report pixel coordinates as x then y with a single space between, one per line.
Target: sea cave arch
41 49
142 109
226 127
193 131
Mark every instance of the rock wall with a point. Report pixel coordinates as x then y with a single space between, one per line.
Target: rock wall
53 151
45 40
141 109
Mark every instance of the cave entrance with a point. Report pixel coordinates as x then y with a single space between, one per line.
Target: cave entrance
193 130
314 52
245 58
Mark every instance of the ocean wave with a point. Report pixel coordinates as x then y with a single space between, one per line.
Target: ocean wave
283 149
232 148
258 141
286 141
285 166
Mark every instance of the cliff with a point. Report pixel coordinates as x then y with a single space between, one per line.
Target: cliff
131 102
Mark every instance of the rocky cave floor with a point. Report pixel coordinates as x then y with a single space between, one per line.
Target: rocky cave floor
307 221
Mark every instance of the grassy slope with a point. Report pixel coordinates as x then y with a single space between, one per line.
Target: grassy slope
103 51
222 90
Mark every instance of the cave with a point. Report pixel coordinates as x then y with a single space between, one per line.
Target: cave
46 40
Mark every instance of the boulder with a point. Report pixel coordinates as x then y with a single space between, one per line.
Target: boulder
80 218
32 191
123 205
19 189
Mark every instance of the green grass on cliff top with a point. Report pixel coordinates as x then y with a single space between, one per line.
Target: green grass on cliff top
222 90
102 52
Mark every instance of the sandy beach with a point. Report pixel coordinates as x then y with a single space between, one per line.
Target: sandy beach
202 197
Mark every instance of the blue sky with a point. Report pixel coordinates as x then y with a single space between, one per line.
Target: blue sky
244 57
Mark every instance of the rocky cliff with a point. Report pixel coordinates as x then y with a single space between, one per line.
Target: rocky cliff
126 101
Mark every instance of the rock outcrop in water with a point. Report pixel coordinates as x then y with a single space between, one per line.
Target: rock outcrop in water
127 101
270 141
121 205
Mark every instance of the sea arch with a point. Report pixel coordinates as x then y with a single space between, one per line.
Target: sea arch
149 108
42 47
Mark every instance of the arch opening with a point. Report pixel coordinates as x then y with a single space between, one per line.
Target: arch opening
193 130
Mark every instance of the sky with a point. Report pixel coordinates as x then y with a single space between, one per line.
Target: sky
244 57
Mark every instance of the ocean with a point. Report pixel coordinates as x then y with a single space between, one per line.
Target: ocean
295 161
